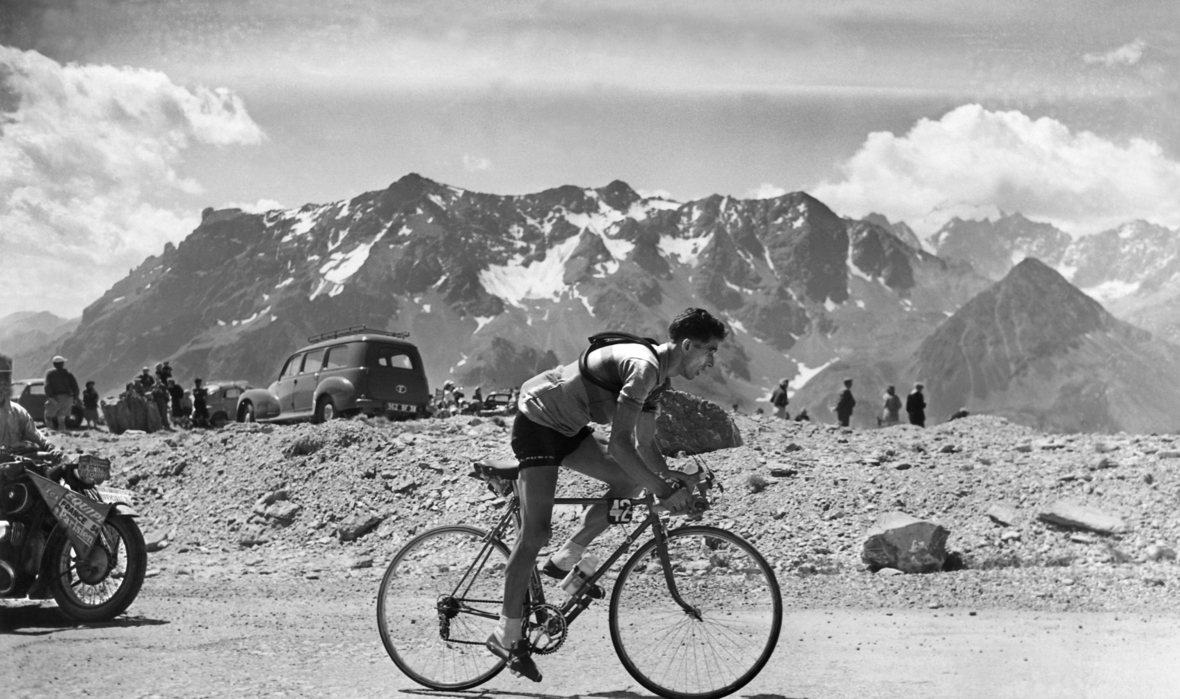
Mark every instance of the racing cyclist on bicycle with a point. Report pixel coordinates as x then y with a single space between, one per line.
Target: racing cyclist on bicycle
552 429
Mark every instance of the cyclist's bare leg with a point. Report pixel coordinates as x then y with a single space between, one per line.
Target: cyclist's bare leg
591 459
537 487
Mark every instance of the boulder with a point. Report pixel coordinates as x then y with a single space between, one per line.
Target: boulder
357 526
132 412
693 425
897 540
284 512
1074 515
1001 514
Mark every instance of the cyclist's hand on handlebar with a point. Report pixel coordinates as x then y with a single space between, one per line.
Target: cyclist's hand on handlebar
679 502
683 478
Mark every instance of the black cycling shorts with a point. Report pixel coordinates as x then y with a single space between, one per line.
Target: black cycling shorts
537 445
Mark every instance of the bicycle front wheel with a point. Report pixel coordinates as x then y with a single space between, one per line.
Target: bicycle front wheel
722 641
438 604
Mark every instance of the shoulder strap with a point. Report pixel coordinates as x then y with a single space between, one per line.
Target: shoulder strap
605 340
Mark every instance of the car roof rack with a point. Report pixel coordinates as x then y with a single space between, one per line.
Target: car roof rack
354 330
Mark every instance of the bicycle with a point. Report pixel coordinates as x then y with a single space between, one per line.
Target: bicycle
695 612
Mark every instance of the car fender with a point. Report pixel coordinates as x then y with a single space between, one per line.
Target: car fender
341 390
266 404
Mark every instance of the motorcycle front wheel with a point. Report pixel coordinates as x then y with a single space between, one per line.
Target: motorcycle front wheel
100 586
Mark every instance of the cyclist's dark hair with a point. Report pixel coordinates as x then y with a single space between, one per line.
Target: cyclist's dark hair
696 324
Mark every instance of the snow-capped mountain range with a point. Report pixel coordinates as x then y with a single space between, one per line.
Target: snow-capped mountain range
495 288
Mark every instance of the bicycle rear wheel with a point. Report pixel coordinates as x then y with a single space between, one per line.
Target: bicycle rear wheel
435 610
721 647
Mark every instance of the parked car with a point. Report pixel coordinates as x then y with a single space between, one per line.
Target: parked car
344 372
498 403
30 395
222 400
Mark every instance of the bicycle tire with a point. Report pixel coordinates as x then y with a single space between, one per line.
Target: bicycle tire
427 569
668 651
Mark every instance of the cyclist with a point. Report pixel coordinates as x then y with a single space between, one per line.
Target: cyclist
552 429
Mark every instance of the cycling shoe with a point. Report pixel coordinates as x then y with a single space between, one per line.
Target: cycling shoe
520 662
550 568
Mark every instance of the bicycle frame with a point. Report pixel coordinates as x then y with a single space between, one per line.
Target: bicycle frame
575 604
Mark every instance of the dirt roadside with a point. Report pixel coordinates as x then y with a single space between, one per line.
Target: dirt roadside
273 634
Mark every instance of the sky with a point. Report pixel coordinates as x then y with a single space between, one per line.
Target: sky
121 120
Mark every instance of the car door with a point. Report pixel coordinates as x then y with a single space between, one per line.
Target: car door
307 380
284 388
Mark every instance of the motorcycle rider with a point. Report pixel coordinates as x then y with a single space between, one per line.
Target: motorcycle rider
16 425
17 429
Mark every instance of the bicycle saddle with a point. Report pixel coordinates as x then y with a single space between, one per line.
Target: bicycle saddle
508 469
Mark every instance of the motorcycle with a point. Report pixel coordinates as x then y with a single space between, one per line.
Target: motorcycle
63 534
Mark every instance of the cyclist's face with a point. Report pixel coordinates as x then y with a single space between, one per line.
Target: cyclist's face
699 357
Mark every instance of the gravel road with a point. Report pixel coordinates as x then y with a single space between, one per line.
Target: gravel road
207 628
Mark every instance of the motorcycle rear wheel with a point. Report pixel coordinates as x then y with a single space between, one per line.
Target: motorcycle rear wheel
102 586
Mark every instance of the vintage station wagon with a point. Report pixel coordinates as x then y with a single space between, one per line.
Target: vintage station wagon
343 372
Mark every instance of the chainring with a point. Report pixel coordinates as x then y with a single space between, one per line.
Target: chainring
547 636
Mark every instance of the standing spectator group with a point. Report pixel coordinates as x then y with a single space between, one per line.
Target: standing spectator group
892 404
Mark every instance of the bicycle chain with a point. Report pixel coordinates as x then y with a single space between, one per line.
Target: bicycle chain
554 630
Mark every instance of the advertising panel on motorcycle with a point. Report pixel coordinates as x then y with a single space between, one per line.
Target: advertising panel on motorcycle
92 469
81 516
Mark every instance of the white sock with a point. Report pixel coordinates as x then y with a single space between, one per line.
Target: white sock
508 632
568 556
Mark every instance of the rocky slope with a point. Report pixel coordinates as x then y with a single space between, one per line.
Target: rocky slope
260 495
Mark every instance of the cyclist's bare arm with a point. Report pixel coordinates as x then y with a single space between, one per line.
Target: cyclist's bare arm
645 433
624 449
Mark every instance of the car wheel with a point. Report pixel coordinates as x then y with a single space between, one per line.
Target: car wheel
246 413
325 409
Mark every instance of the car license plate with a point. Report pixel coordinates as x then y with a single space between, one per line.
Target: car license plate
399 407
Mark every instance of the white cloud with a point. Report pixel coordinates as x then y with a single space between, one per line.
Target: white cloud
656 194
1129 55
765 191
88 156
975 163
472 163
259 207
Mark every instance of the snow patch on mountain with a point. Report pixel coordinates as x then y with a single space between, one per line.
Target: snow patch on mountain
687 250
342 265
806 373
1111 290
304 221
543 279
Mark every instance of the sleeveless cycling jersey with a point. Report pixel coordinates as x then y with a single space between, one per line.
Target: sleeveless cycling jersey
563 400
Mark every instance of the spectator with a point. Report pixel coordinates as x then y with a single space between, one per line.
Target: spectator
160 398
891 414
163 373
176 393
803 416
61 389
845 404
200 409
144 382
779 400
915 406
90 405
